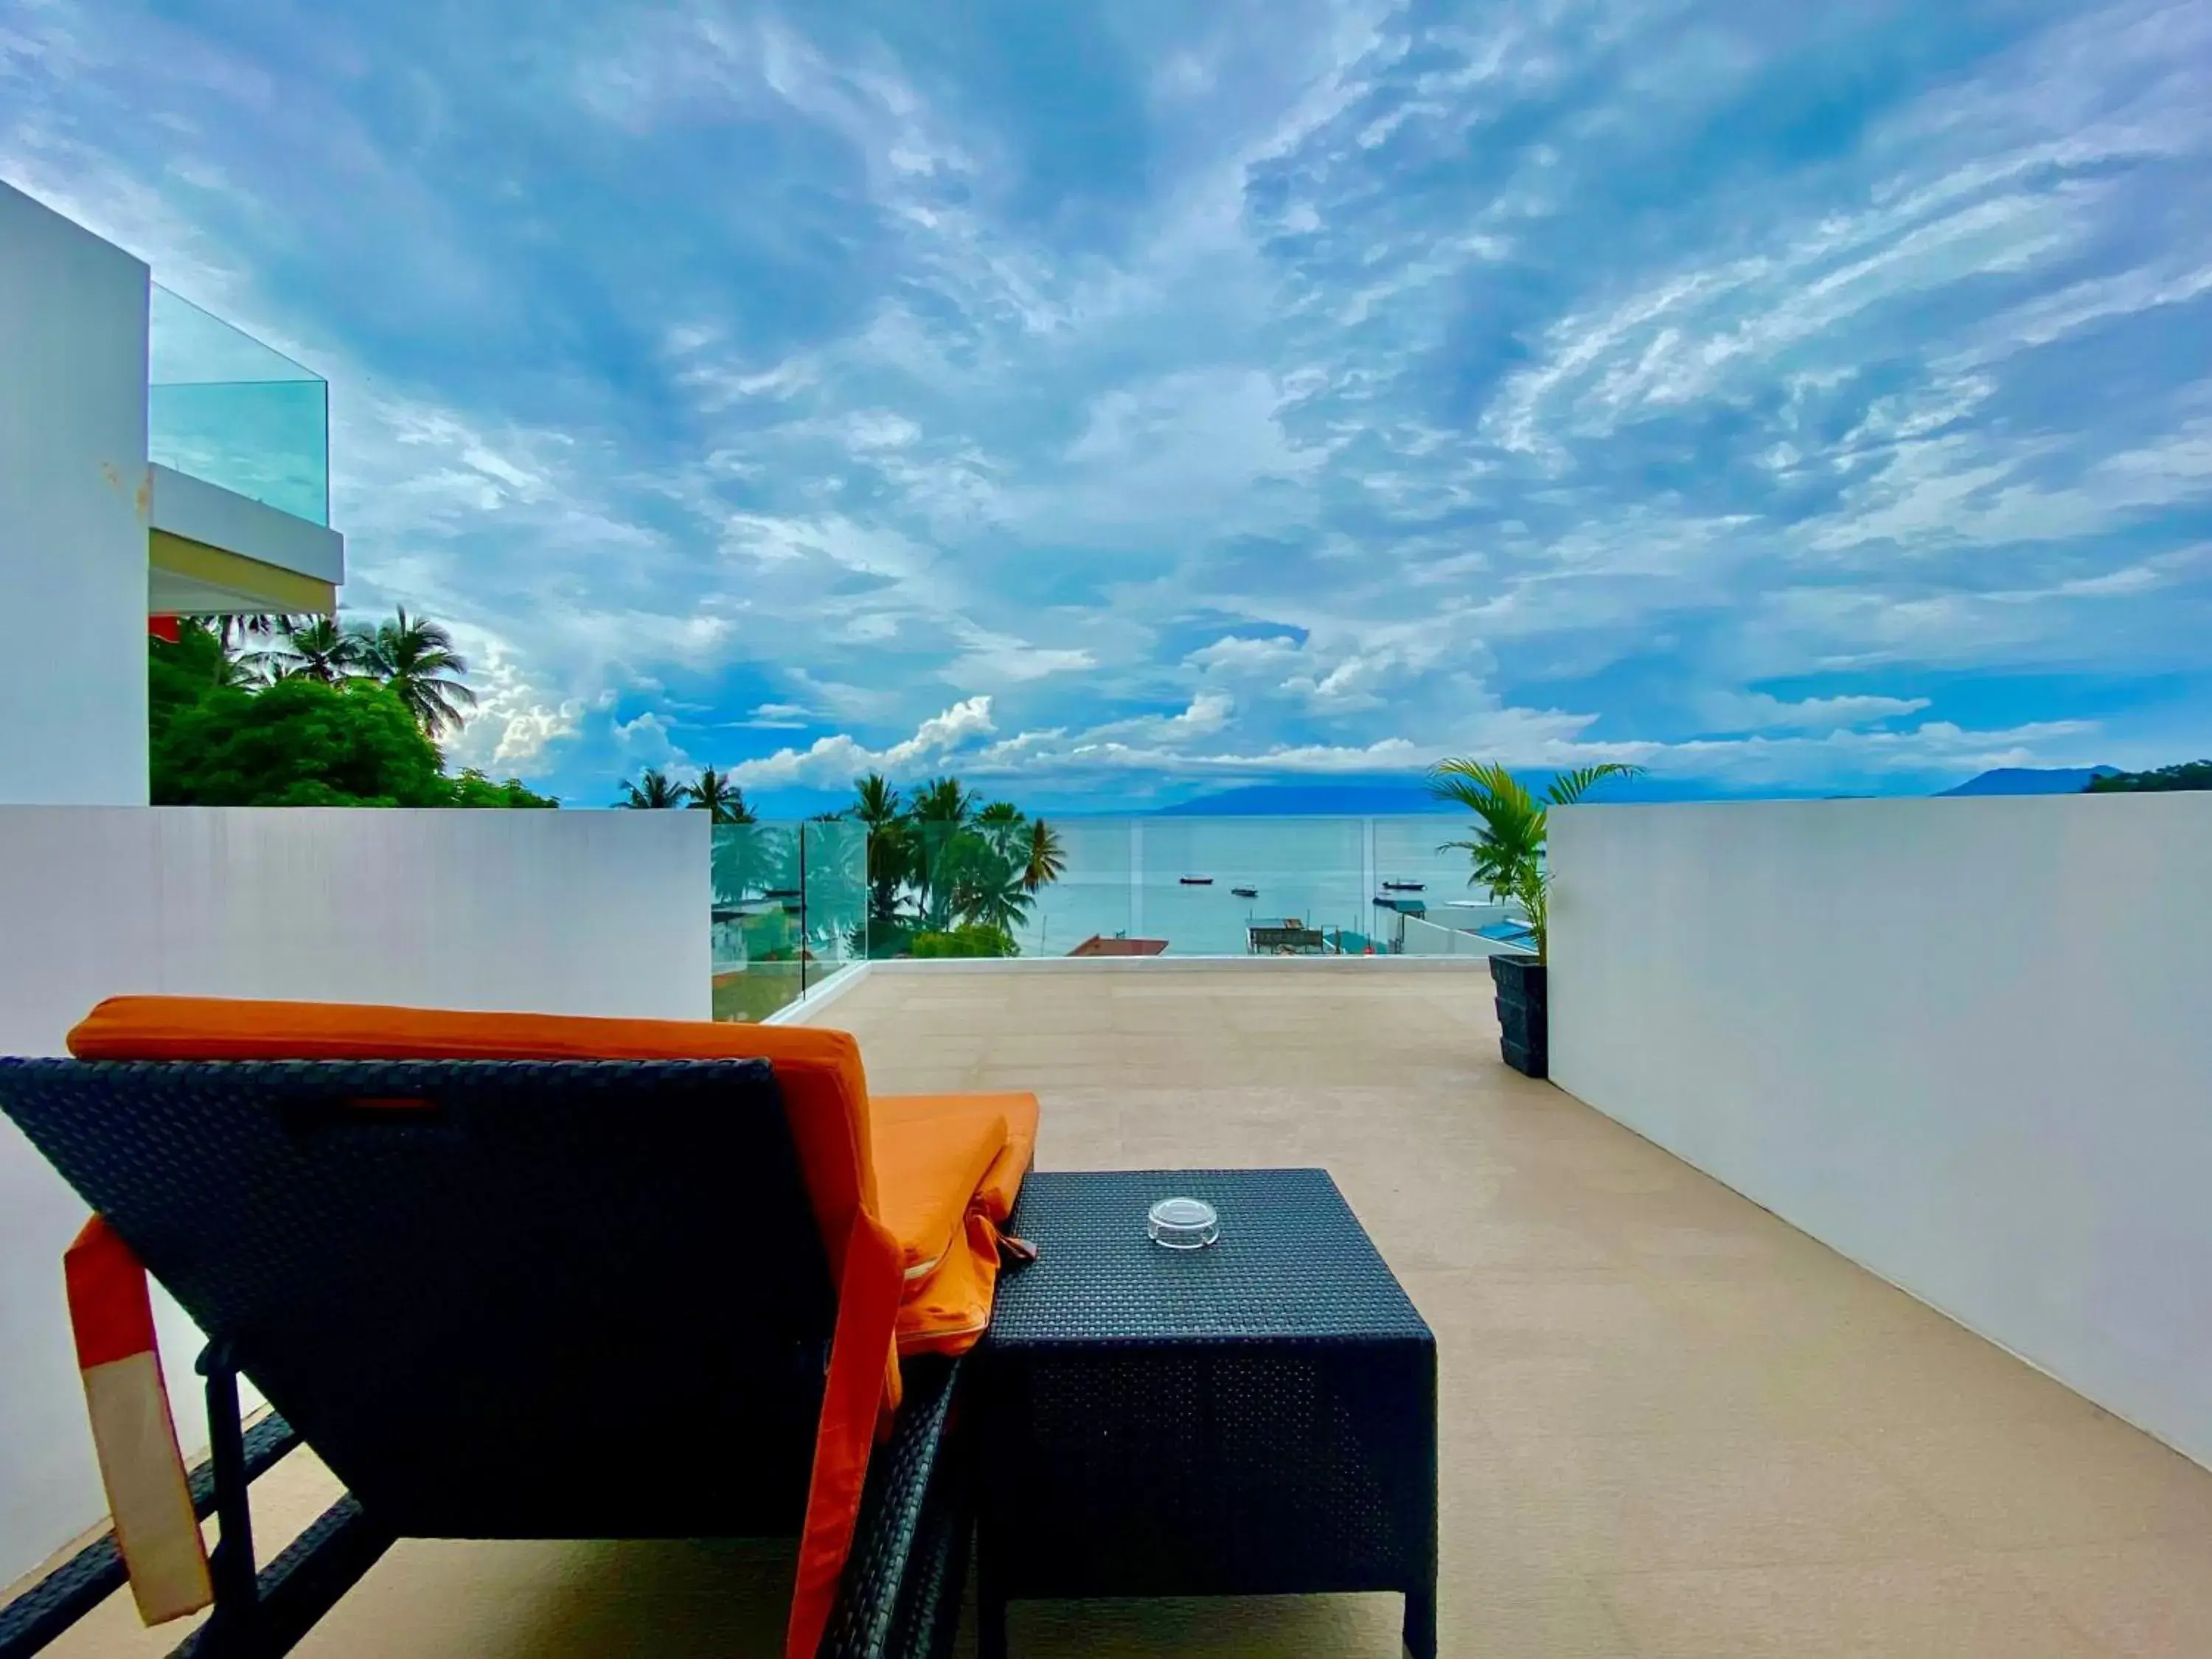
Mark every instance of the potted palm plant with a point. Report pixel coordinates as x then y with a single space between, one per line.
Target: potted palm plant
1511 824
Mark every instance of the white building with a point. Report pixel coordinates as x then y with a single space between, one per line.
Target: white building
153 462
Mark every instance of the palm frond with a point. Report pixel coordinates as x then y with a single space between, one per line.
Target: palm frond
1569 787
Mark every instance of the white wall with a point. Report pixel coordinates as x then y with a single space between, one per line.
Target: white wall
72 510
1968 1043
588 912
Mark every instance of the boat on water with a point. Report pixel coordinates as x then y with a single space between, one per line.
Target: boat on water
1245 892
1404 886
1197 881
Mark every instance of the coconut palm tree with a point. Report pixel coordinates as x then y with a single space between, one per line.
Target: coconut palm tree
415 657
653 792
890 846
1047 860
716 794
938 817
942 800
1512 825
234 628
311 647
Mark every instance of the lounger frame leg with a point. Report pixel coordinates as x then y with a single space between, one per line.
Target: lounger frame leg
265 1615
237 1596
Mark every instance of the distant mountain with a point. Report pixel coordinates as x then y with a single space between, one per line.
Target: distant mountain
1361 799
1385 797
2032 781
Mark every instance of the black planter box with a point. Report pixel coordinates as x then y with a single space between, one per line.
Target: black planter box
1523 1037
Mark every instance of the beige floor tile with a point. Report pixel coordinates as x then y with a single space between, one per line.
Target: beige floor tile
2008 1485
1931 1373
1884 1610
2149 1598
1650 1503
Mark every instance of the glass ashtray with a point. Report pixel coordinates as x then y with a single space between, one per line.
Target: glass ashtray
1183 1223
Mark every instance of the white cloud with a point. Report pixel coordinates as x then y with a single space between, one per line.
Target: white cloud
833 760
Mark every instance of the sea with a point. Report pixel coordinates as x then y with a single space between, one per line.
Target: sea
1127 876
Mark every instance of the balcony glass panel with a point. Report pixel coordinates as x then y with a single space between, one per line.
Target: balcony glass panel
790 910
225 408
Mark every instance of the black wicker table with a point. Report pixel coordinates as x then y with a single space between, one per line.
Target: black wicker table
1255 1417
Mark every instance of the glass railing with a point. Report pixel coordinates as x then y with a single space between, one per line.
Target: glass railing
1183 886
795 903
223 407
790 910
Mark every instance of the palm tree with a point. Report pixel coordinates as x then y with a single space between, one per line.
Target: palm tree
234 628
979 882
653 792
1047 858
942 800
939 818
1512 825
311 647
716 794
891 845
415 659
1003 825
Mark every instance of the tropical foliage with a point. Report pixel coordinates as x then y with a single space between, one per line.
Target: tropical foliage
714 793
296 711
415 660
946 868
2188 774
1511 825
653 792
975 939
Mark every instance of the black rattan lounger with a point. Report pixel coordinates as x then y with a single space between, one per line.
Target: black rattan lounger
513 1313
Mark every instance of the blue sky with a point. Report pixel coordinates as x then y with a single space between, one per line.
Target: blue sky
1115 402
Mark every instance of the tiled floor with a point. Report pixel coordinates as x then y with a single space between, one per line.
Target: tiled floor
1673 1426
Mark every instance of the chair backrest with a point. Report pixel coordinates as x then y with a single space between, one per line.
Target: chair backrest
499 1298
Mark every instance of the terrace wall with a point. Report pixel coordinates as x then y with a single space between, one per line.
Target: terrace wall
1968 1044
597 913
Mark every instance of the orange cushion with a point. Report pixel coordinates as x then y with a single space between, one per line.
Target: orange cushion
1001 1184
946 1310
928 1145
926 1173
825 1092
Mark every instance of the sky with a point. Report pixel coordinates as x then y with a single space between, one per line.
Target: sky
1112 403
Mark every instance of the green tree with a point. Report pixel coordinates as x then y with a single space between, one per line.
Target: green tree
415 659
299 743
2187 775
1046 859
180 672
653 792
473 788
972 940
311 647
1511 826
715 794
891 846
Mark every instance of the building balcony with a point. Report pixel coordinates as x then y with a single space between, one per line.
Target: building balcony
238 436
1672 1425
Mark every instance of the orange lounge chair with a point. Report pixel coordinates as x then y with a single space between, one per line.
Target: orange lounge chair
522 1275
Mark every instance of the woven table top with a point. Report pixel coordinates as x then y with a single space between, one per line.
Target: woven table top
1292 1262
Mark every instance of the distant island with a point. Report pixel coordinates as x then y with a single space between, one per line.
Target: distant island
1366 798
2034 781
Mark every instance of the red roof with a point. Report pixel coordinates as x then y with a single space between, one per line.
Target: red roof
1099 945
